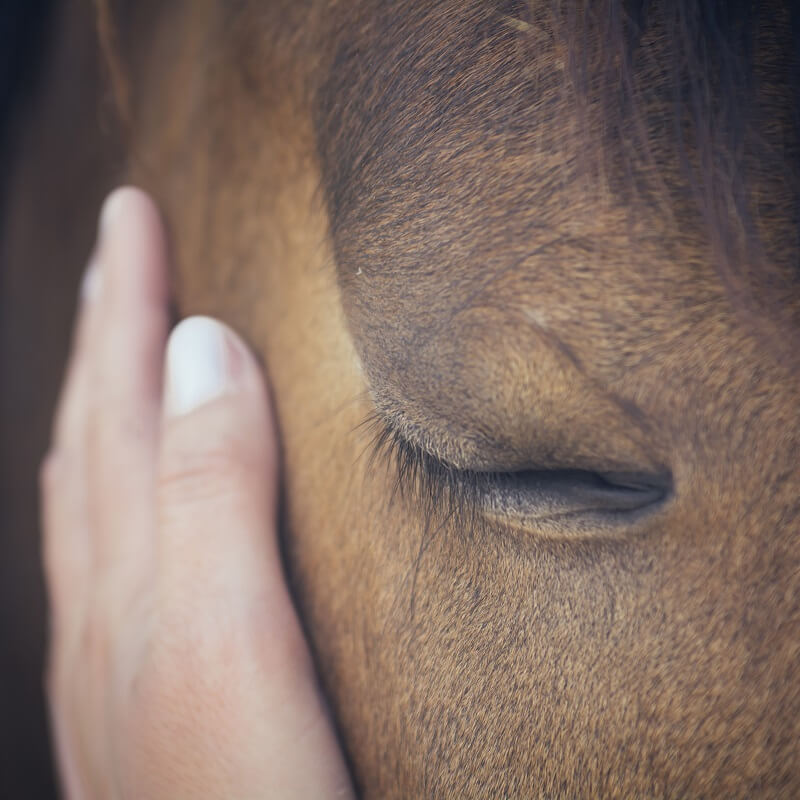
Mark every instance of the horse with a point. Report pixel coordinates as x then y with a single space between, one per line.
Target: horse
523 276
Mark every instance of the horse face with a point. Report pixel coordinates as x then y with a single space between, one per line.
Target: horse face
541 471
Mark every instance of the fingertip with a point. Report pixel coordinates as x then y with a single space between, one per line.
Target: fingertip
132 250
121 203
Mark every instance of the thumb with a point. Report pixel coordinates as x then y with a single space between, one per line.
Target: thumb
217 470
219 574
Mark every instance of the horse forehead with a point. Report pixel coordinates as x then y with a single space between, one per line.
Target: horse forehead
457 200
468 233
474 257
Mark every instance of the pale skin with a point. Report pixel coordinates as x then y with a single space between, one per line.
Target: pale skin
178 668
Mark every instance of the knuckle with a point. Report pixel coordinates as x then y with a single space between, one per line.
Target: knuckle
64 574
53 567
53 474
61 495
95 644
222 643
52 562
58 676
195 475
177 668
112 431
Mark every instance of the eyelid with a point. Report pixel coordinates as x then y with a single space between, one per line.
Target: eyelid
438 488
530 497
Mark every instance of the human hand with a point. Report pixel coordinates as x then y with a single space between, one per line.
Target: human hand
178 667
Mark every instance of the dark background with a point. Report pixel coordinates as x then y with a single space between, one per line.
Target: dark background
23 33
25 768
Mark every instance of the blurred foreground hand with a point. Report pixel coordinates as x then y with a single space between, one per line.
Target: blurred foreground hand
178 668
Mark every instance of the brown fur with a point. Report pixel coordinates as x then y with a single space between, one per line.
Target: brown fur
391 203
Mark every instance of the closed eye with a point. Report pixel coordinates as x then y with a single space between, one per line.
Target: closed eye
548 495
568 502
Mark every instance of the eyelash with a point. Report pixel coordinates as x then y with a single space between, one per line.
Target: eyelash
441 491
446 495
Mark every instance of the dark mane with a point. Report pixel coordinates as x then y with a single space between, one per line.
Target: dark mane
724 104
685 107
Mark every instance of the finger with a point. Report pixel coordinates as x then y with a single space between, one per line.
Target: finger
65 549
69 423
218 457
220 577
126 349
65 546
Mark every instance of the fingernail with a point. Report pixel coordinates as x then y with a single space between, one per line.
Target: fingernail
201 365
